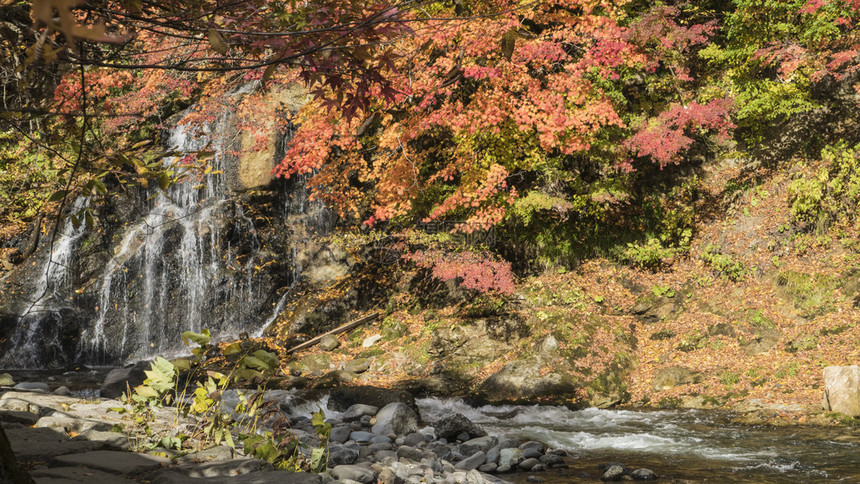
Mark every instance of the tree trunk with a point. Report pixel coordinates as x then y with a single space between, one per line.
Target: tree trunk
10 471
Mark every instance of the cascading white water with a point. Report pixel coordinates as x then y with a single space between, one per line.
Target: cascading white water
36 331
177 252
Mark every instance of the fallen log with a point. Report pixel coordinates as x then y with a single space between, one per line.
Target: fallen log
340 329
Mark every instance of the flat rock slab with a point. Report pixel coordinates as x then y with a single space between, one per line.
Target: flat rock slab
279 477
40 444
115 461
221 469
15 416
76 474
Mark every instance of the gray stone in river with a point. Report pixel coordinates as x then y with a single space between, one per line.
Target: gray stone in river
63 391
362 474
643 475
452 424
551 459
413 439
614 472
472 462
396 418
510 457
340 433
488 467
341 455
32 386
361 436
483 444
527 464
355 412
380 439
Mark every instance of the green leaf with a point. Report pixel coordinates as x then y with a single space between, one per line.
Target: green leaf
254 362
270 359
161 375
144 391
57 196
201 338
318 460
182 364
231 349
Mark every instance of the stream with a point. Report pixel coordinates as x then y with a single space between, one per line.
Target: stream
694 445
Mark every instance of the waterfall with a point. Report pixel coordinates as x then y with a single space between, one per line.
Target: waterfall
190 258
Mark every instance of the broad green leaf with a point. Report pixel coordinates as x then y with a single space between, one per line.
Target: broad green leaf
201 338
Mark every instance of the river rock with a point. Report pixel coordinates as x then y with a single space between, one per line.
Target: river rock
643 475
472 462
842 389
396 418
482 444
510 457
413 439
342 455
340 433
355 412
528 464
29 386
329 342
453 424
357 473
673 376
6 380
118 380
63 391
358 365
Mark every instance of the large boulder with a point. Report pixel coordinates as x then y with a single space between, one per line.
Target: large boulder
120 379
524 381
396 418
341 398
842 389
673 376
453 424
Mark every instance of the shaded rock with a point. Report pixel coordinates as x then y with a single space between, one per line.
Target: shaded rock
42 444
453 424
340 399
329 342
396 418
340 433
721 329
358 365
673 376
67 475
334 378
280 477
120 379
842 389
113 440
356 473
115 461
410 453
361 436
6 380
17 416
488 467
472 462
342 455
413 439
355 412
63 391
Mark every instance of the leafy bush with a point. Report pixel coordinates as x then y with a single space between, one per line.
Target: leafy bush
725 264
833 193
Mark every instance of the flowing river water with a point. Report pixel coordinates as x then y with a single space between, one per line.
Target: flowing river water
686 445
